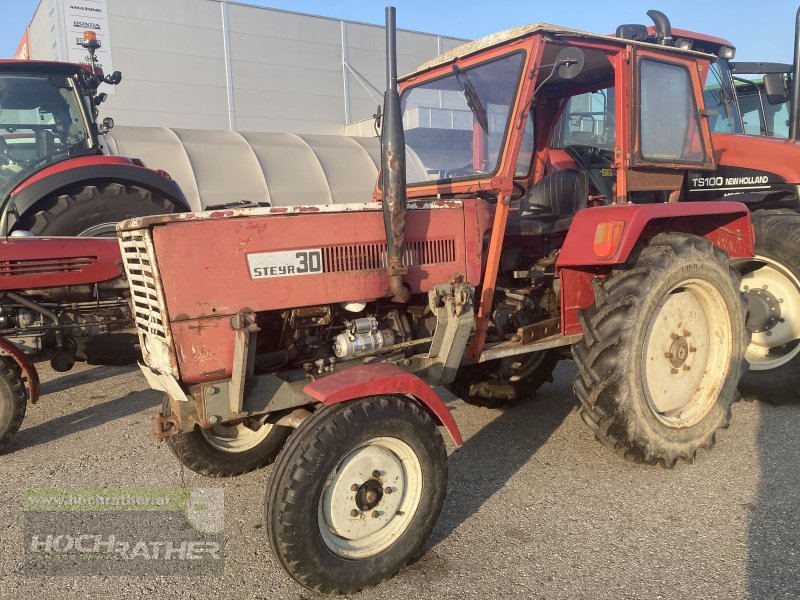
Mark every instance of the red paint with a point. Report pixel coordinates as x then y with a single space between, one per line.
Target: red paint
577 249
24 362
75 163
382 379
32 262
772 155
192 274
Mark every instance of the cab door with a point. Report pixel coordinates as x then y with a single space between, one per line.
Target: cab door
669 128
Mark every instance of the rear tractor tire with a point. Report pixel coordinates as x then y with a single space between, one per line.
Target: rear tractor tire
355 493
13 402
93 210
505 382
228 450
771 286
663 351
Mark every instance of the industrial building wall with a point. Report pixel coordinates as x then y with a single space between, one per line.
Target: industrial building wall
213 64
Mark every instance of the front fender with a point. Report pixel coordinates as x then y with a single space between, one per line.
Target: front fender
383 379
88 169
725 224
25 364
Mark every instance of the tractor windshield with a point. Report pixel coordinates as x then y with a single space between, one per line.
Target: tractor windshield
455 126
41 122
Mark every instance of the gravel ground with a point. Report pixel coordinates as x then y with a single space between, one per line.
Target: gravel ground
535 506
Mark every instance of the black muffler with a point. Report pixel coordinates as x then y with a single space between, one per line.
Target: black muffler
663 27
393 168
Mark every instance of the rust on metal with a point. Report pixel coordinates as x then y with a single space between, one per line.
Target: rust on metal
538 331
164 426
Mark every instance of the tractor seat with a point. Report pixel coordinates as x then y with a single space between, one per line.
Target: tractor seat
550 204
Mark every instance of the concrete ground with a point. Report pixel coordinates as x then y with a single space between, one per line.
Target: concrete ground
536 508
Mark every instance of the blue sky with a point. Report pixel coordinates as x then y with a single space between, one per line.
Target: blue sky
760 30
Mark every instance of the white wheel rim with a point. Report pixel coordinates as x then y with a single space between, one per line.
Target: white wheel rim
355 525
235 438
687 353
778 343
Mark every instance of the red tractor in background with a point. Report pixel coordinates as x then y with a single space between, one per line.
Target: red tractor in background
481 260
61 298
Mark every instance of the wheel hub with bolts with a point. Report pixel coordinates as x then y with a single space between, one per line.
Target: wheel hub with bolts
370 498
773 297
682 367
764 309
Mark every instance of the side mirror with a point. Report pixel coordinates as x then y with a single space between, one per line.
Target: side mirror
107 125
775 88
570 61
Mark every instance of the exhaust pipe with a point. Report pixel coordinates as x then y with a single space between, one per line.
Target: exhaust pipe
393 168
794 106
663 27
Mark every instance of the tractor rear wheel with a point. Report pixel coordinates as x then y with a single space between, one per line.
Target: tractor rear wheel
771 285
226 450
355 493
505 382
13 402
93 210
663 351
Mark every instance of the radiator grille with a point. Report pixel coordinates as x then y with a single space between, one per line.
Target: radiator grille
146 295
372 257
42 266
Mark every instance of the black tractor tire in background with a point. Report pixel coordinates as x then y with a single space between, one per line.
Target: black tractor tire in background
93 210
13 402
778 242
227 451
355 493
489 384
663 351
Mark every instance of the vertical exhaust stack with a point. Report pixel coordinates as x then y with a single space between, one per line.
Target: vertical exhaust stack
794 106
663 27
393 168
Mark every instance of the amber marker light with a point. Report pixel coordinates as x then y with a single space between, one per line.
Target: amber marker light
607 238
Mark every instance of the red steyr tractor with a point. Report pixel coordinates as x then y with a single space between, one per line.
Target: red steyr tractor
333 323
61 298
758 170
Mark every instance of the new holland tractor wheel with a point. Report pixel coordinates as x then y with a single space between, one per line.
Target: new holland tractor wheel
93 210
355 493
505 382
771 286
663 351
228 450
13 402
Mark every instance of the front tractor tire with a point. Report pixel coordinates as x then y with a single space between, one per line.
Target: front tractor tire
771 286
663 351
228 450
93 210
355 493
13 402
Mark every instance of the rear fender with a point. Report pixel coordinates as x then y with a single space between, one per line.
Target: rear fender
725 224
25 364
91 170
383 379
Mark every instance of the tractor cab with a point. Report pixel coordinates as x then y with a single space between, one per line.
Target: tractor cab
485 120
45 117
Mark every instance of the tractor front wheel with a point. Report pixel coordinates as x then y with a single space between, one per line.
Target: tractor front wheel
355 493
663 351
13 402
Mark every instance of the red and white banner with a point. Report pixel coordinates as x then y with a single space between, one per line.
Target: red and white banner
23 50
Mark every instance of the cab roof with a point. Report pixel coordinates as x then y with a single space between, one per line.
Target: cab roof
12 65
555 31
